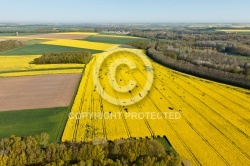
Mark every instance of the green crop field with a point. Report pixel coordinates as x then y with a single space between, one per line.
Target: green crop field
7 34
112 40
37 49
164 142
30 122
19 34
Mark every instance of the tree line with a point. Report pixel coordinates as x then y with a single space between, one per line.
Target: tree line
205 63
63 58
37 151
10 44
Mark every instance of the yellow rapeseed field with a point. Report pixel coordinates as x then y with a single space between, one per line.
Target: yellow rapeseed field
213 128
41 72
20 66
80 44
234 30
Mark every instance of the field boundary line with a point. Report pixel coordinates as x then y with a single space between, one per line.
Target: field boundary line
65 118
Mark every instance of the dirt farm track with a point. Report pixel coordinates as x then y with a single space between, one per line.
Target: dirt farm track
18 93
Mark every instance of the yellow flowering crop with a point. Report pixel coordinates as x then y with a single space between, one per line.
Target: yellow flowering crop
20 66
234 30
80 44
213 128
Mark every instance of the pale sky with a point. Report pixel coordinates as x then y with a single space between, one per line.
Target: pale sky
129 11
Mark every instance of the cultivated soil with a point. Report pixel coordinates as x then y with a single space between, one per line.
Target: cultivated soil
45 91
59 36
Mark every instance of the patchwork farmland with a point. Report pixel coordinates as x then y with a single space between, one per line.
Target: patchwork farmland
213 128
36 111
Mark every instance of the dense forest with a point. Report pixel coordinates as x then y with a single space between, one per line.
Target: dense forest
36 150
220 57
10 44
64 57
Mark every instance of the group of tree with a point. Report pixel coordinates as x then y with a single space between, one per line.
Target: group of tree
207 63
36 150
139 44
10 44
225 47
63 58
203 57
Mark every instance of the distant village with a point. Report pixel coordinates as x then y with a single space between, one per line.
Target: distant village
117 32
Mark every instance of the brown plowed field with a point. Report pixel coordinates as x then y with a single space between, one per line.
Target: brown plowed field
60 36
17 93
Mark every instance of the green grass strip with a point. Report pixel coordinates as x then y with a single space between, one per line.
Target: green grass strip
33 121
39 49
65 118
